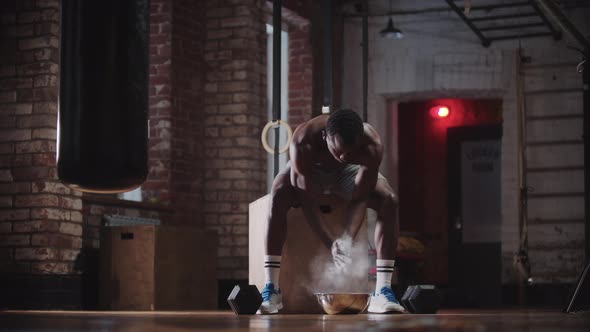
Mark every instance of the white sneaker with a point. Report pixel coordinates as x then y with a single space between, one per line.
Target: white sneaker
384 302
272 301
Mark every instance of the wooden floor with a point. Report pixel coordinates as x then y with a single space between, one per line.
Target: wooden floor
459 320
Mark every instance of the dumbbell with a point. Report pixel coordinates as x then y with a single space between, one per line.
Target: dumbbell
245 299
421 299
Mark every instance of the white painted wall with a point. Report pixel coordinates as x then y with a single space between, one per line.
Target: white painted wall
441 57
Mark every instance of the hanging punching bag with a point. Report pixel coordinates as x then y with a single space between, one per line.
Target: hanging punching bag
103 97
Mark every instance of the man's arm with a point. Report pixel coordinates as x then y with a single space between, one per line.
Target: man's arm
365 182
307 190
366 178
300 153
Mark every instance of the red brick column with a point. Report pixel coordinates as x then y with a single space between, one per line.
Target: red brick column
187 140
157 187
300 75
40 218
176 105
234 115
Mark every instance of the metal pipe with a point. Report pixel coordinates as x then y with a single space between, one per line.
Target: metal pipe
522 259
276 76
502 17
365 46
525 35
551 9
500 5
440 10
586 106
327 22
484 41
514 26
404 12
556 33
572 299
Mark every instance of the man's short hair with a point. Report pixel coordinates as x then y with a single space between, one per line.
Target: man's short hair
346 123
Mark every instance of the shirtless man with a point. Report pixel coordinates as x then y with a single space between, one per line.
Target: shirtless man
340 155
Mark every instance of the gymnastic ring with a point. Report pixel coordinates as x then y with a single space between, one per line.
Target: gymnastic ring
265 132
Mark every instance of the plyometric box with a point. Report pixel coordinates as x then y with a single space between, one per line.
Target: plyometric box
306 261
153 267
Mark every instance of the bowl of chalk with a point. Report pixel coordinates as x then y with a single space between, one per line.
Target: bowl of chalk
343 303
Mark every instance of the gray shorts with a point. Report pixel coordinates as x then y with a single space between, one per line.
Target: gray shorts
339 181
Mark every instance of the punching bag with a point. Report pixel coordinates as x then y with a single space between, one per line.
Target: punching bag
103 95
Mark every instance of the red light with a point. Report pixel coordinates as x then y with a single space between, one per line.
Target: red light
440 111
443 111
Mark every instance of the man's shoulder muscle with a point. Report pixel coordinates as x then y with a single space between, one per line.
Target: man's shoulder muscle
374 144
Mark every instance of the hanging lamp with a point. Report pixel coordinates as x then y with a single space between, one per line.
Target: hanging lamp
390 31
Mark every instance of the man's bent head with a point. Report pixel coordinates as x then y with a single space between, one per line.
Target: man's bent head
344 130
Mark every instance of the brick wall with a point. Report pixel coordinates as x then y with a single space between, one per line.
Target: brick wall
156 189
177 33
235 112
32 200
40 219
207 107
300 75
188 35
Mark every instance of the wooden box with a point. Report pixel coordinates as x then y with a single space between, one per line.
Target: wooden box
151 267
305 258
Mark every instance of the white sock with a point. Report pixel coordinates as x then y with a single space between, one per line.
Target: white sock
384 273
272 267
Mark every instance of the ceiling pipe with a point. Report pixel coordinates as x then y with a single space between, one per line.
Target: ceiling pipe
441 10
276 76
556 33
484 41
326 8
365 59
586 138
552 10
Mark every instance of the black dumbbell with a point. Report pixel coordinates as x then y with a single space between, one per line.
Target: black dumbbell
244 300
421 299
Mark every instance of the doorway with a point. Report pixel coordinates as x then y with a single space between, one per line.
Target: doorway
424 175
474 160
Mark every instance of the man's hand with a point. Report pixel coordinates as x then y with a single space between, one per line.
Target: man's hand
342 253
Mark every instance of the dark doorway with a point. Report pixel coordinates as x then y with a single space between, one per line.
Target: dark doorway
474 160
423 174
